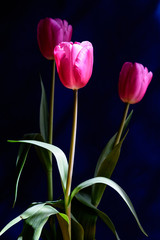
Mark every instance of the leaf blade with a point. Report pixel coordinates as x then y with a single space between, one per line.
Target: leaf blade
43 118
107 162
113 185
30 211
22 157
86 200
59 156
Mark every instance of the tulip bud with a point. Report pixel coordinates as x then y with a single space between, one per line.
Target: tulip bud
50 32
74 63
133 82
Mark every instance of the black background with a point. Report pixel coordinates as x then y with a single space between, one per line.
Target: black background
119 31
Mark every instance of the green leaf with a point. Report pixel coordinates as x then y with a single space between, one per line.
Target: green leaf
63 223
107 162
29 212
109 146
105 170
127 122
34 224
86 217
85 199
35 218
43 154
21 159
22 156
77 229
59 156
10 224
43 113
113 185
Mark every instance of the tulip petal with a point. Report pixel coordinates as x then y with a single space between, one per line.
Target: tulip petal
76 48
133 82
123 79
51 32
144 85
82 68
62 54
74 63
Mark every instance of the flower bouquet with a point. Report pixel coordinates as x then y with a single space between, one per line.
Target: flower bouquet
74 214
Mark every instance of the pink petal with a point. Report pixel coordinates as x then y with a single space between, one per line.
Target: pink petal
62 54
76 48
123 79
144 85
82 68
135 81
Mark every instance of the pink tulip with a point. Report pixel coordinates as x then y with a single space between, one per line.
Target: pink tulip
133 82
74 63
50 32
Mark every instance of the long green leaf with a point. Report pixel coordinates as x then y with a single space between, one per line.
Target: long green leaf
22 157
86 217
43 114
113 185
59 156
43 154
109 146
35 218
33 225
63 223
107 162
29 212
105 170
77 229
86 200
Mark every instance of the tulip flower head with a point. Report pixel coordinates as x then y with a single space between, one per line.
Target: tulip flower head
50 32
133 82
74 63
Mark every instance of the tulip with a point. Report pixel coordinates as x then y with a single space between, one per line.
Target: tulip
133 82
51 32
74 63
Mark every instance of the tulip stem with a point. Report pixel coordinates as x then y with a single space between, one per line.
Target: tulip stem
71 159
119 134
50 140
50 137
50 133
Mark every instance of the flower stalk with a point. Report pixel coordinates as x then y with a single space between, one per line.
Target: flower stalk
119 134
71 159
50 133
51 110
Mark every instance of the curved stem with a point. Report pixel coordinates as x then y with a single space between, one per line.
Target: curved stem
118 137
71 159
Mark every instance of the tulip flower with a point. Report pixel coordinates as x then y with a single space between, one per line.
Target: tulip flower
133 82
74 63
51 32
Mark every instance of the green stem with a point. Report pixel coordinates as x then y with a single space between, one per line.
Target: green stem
71 159
49 181
50 133
51 110
119 134
50 140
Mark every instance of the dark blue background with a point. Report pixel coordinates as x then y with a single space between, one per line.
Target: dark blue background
119 31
